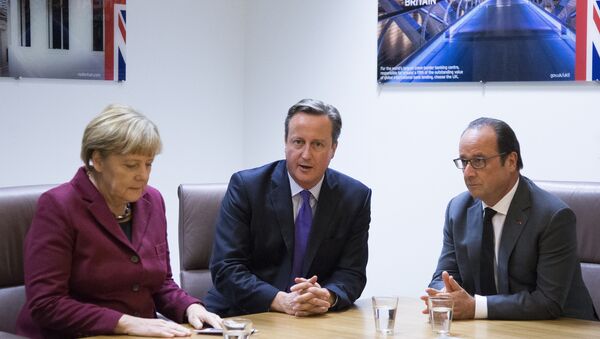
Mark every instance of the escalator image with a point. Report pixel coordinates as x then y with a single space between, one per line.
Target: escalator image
476 40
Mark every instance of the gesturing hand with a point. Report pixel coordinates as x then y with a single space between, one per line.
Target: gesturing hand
464 303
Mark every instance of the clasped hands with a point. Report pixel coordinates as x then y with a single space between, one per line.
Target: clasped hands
305 298
464 303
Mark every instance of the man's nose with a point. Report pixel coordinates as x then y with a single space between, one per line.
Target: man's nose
306 152
468 171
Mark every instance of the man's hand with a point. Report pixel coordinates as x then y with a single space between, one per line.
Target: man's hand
430 293
312 298
464 303
306 298
284 302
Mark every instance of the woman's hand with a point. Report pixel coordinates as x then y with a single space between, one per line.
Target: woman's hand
150 327
198 315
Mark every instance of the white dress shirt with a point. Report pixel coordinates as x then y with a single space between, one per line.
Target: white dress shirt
297 199
501 208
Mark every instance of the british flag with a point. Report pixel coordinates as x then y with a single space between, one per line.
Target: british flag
588 40
115 60
594 31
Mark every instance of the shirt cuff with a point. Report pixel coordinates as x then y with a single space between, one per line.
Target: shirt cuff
481 311
335 299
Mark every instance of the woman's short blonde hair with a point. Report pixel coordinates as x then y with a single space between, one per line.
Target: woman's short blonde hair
119 129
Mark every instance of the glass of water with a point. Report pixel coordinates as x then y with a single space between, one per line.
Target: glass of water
440 313
237 328
384 311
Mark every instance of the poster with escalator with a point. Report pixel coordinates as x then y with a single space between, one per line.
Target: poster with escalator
488 40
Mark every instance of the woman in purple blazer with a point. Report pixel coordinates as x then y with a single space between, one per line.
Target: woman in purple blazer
96 255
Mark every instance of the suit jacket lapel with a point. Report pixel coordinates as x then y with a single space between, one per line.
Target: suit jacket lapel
98 207
516 219
281 201
322 222
473 236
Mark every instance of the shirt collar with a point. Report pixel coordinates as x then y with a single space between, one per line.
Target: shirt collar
295 188
504 203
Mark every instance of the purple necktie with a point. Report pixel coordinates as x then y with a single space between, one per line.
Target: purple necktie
303 224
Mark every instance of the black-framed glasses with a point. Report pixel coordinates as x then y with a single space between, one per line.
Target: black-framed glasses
476 163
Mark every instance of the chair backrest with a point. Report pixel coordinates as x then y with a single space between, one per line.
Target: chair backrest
17 206
199 205
584 200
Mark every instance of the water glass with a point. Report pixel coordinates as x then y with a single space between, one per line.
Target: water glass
237 328
384 311
440 313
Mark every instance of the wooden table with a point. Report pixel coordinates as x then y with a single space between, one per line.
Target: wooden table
357 322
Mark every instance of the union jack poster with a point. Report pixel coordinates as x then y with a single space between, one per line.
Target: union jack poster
70 39
114 60
488 40
588 62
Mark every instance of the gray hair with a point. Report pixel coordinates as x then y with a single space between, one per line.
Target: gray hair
119 129
505 137
316 107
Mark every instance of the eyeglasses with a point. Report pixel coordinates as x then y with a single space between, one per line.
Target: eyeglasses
476 163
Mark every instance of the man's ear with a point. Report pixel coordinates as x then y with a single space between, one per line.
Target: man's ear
333 148
512 159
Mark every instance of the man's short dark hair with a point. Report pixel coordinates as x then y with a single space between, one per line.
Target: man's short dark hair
505 137
316 107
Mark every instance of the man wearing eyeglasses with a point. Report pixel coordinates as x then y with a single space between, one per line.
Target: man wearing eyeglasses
510 248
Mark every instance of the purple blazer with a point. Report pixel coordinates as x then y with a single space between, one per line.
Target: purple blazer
82 273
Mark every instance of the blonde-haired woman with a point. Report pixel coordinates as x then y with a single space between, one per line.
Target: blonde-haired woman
96 255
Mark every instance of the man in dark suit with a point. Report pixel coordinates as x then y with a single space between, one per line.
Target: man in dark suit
292 235
510 248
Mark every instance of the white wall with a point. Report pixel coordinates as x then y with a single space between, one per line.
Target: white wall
399 140
218 76
184 71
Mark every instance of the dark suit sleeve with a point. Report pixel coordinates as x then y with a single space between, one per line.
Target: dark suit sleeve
232 250
557 260
349 277
447 261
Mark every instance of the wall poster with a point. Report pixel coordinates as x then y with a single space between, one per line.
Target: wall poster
488 40
69 39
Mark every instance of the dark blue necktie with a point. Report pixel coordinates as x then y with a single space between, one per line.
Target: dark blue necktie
488 283
303 224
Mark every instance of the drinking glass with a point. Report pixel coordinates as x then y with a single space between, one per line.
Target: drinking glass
384 311
440 313
237 328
